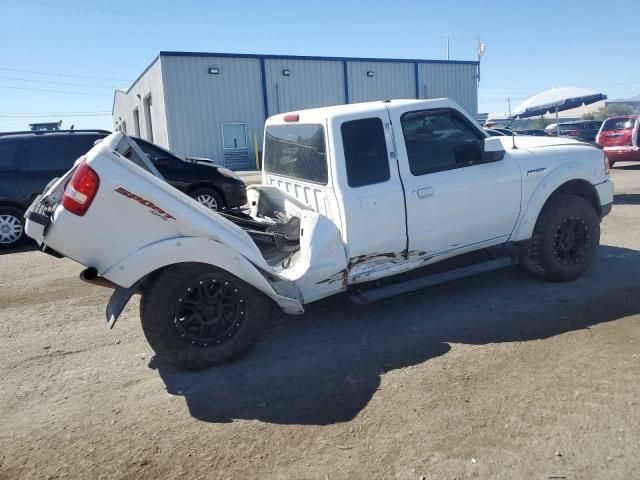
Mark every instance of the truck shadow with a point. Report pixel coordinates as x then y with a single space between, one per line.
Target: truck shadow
325 366
28 247
627 199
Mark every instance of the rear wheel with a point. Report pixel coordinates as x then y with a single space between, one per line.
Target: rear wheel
565 239
208 197
198 316
11 228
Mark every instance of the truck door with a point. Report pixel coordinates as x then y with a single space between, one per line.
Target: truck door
374 227
453 203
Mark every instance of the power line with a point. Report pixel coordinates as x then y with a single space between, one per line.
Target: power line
56 91
53 113
58 115
57 83
245 26
62 74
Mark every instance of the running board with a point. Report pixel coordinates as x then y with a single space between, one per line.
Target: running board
387 291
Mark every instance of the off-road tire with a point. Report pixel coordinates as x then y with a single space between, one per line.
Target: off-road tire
541 257
160 315
12 215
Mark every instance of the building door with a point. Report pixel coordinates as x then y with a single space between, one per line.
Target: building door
235 145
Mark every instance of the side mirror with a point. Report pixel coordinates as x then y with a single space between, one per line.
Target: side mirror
493 150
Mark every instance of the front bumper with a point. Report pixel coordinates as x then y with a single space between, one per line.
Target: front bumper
605 196
235 193
622 154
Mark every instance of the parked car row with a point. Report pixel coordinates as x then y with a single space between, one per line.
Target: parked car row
30 160
581 129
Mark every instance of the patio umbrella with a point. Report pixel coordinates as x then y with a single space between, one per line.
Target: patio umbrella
556 100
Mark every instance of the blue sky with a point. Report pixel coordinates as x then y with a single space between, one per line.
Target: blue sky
82 50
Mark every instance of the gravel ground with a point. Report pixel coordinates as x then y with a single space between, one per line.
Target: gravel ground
496 376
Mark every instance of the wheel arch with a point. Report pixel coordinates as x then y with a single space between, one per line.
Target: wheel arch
152 259
576 186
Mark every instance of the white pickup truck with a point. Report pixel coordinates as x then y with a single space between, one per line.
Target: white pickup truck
350 194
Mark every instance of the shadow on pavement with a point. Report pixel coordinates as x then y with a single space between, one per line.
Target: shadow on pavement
325 366
29 247
633 166
626 199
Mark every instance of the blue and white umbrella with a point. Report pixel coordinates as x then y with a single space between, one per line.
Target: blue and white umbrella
556 100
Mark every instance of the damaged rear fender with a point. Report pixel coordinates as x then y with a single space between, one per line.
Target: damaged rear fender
138 265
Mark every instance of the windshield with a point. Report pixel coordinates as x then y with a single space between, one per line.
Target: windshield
296 151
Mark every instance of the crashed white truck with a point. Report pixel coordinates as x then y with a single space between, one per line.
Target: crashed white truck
351 196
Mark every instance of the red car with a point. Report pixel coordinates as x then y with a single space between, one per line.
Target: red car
618 137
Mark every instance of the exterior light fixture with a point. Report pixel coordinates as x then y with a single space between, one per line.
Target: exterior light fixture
214 71
286 72
369 73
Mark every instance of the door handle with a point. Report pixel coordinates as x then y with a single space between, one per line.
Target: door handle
425 192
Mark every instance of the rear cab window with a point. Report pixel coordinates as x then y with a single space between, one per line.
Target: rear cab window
297 151
622 123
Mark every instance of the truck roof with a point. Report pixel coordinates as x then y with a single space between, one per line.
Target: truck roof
351 108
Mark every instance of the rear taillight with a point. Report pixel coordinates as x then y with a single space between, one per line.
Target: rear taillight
607 166
81 190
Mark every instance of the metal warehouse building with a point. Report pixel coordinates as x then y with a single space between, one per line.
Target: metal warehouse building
212 104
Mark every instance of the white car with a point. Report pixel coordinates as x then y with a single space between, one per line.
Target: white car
349 194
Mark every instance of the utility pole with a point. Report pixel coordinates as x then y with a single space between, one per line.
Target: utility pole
448 37
481 51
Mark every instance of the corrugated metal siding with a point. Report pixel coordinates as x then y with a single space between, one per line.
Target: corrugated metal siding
390 80
125 103
456 81
311 84
199 103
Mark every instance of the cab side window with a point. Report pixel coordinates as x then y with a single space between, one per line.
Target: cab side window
365 152
437 139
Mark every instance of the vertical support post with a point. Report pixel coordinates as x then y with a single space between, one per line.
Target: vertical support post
263 79
255 149
345 75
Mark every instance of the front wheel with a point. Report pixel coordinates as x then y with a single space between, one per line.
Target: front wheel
198 316
565 239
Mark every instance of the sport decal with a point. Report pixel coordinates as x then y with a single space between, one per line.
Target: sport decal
153 208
